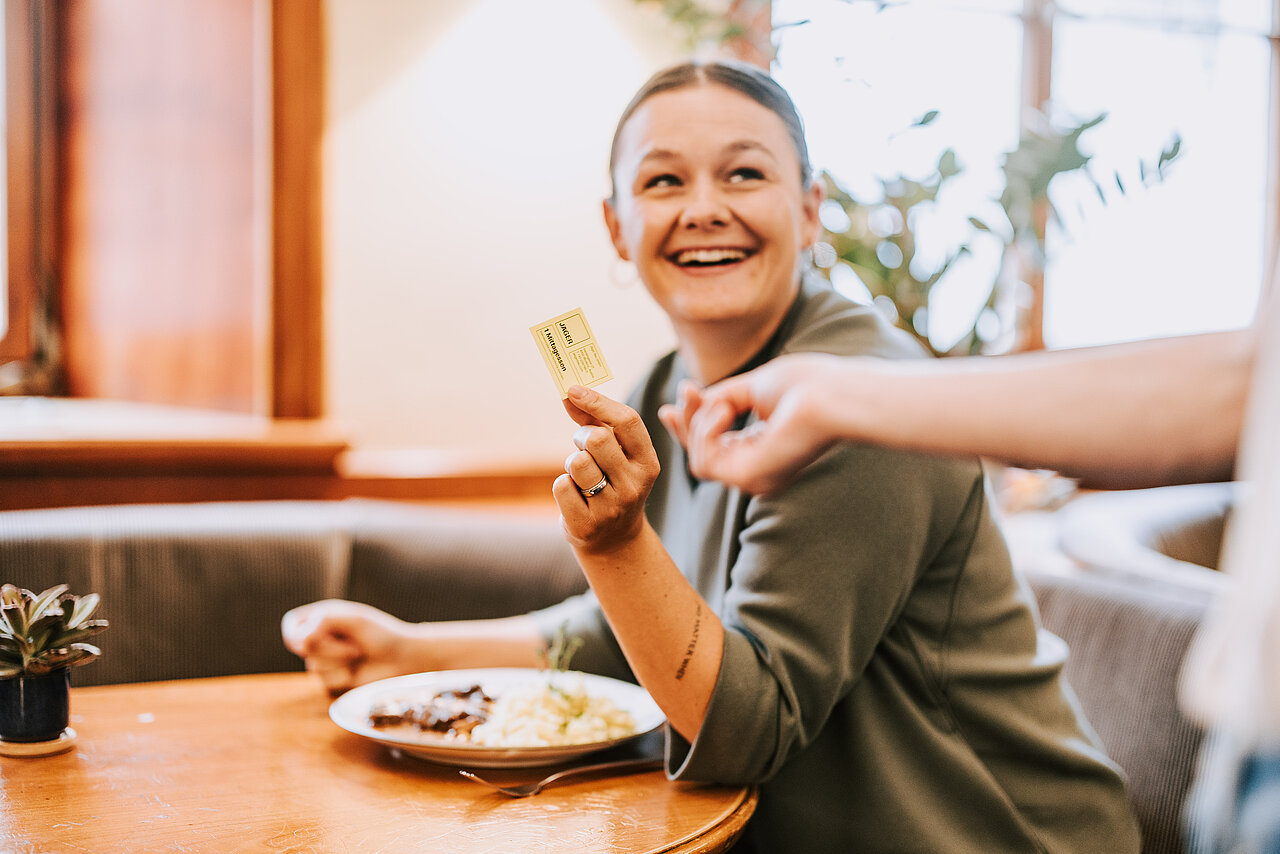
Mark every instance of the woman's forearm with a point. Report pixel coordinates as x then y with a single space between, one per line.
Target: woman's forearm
670 636
460 644
1138 414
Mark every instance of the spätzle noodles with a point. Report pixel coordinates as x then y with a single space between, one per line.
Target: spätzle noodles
552 712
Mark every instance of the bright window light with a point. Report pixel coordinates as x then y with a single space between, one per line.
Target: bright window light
1182 254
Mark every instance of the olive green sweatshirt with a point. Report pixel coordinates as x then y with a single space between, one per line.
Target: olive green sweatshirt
884 676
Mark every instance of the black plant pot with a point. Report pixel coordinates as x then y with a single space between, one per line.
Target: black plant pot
34 708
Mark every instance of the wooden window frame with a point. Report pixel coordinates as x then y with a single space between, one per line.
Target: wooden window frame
297 268
1037 86
28 349
295 71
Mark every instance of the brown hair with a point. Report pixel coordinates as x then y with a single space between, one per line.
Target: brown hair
739 76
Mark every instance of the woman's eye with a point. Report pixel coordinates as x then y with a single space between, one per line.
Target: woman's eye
745 173
658 181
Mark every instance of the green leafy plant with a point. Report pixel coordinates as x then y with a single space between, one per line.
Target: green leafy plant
883 257
696 23
723 25
1041 156
41 633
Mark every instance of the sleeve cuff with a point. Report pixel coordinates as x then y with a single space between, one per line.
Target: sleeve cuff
731 743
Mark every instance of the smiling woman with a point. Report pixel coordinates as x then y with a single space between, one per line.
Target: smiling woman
857 645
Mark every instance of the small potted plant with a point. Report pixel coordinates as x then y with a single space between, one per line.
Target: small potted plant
41 638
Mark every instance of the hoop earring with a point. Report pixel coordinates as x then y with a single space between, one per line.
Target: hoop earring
623 274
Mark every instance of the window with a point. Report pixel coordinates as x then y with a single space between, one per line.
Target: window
91 310
1135 255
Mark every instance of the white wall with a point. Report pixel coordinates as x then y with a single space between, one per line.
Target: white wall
465 163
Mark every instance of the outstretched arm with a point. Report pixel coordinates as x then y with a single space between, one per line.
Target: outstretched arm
669 634
349 643
1125 415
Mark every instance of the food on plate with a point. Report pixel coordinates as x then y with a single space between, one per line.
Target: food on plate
544 712
550 713
453 713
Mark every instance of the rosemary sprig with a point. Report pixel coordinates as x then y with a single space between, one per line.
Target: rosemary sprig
556 656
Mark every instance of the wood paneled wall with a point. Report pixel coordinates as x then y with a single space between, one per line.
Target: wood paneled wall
161 138
189 218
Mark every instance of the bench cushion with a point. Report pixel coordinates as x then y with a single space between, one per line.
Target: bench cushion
1127 641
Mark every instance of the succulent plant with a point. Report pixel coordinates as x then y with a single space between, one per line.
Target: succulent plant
41 633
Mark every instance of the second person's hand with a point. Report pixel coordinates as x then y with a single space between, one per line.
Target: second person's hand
791 430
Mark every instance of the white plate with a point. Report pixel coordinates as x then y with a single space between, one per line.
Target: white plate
351 712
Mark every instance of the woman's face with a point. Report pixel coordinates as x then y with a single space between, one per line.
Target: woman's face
710 206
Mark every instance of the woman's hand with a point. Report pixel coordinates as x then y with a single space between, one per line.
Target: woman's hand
348 643
615 463
788 396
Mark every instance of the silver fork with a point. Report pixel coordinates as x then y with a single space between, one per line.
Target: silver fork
524 791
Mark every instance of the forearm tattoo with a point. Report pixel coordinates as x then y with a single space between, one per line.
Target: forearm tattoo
693 640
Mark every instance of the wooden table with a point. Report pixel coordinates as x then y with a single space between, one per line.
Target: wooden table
253 763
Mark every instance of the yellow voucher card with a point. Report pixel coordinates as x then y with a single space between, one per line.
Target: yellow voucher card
570 351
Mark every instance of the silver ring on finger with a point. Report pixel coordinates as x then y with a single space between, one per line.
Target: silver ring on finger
595 490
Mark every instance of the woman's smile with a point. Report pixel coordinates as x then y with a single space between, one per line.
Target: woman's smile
713 258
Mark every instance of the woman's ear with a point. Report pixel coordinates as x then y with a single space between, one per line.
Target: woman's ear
615 230
811 223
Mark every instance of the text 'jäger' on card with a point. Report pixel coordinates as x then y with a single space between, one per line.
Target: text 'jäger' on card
570 351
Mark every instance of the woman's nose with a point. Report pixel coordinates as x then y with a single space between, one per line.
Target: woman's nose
704 206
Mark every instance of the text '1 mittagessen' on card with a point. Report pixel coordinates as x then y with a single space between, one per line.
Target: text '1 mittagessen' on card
570 351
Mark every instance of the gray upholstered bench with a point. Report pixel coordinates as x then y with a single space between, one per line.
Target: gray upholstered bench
199 589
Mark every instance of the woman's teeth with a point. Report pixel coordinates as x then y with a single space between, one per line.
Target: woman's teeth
708 257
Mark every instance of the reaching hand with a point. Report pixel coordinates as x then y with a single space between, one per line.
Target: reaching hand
347 643
792 430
